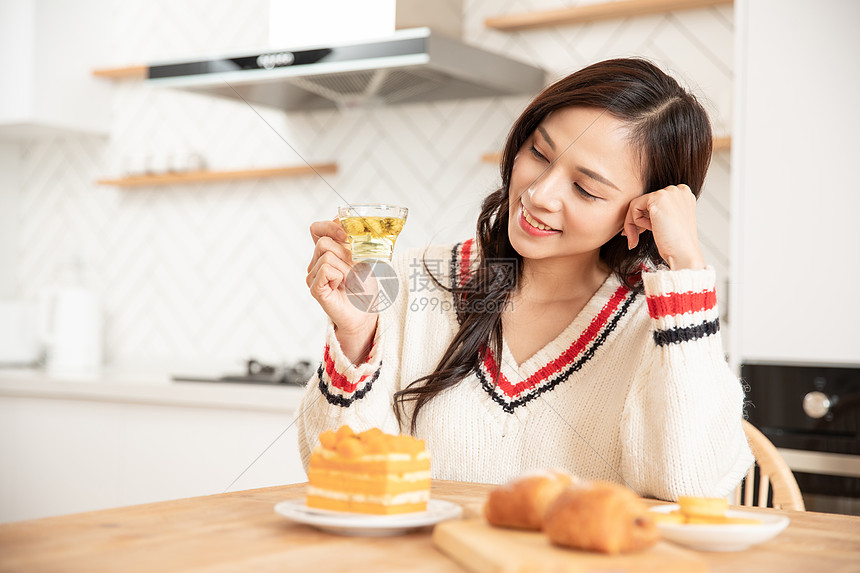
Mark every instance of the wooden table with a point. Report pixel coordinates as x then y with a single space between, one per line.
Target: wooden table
241 532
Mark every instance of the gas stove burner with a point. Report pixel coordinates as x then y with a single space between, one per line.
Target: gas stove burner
255 368
257 372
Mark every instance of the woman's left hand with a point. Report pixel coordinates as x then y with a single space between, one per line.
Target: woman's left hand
670 214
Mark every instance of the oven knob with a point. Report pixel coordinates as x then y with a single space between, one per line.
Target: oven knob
816 404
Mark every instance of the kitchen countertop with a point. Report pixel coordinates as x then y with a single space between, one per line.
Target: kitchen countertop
135 387
240 531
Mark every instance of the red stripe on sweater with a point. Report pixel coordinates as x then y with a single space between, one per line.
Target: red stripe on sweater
681 302
338 380
566 357
465 261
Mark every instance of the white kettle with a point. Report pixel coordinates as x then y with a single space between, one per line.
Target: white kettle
71 329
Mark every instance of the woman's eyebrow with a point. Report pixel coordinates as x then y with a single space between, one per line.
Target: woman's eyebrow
546 137
597 177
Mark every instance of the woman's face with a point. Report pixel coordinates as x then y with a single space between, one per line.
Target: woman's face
571 184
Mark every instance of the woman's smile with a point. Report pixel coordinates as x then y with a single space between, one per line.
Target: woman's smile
534 226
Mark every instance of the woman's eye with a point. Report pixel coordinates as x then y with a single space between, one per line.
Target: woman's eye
585 193
537 153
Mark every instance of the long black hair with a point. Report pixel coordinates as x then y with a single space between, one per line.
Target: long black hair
672 133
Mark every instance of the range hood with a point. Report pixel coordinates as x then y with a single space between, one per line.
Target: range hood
407 66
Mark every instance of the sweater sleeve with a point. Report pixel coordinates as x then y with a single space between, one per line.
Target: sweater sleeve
681 425
359 395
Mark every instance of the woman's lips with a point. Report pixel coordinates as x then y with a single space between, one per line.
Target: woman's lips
531 229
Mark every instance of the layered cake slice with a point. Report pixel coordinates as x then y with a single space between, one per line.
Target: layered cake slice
369 472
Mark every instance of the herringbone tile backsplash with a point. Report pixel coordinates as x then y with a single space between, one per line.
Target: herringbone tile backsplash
213 273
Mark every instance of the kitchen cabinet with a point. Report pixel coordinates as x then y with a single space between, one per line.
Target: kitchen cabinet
48 48
85 446
795 192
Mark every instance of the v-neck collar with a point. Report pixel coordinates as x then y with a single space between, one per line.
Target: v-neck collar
555 362
561 343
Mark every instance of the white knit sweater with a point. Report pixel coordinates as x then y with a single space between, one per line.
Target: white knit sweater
636 389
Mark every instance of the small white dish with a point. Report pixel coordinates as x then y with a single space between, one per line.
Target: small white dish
360 524
731 537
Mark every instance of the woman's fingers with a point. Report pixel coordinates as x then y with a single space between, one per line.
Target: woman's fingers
637 221
325 280
333 280
668 207
328 237
326 244
331 229
331 260
670 215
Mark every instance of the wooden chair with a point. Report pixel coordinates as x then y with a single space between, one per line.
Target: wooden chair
772 470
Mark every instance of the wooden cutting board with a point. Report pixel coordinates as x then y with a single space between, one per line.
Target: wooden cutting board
481 548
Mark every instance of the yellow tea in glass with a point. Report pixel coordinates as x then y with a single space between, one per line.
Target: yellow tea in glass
372 229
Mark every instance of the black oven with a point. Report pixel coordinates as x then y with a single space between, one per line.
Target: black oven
812 414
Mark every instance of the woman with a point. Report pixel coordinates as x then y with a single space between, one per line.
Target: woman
578 330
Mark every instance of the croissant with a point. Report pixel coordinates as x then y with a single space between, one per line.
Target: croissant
522 502
603 517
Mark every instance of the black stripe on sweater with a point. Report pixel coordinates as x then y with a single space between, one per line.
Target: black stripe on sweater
345 401
455 265
455 274
510 405
685 334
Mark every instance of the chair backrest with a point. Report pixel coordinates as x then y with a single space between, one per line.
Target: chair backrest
772 470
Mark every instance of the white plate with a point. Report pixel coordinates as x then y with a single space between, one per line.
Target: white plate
732 537
344 523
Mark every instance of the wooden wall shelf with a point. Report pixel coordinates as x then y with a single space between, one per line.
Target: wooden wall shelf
592 13
720 144
723 143
124 73
209 176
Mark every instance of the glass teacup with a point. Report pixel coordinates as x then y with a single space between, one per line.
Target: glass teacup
372 229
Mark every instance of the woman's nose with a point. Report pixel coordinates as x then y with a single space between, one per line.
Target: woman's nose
545 191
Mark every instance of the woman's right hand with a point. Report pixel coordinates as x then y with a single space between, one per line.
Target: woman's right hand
340 291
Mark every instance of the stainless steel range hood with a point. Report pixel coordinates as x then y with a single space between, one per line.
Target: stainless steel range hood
412 65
